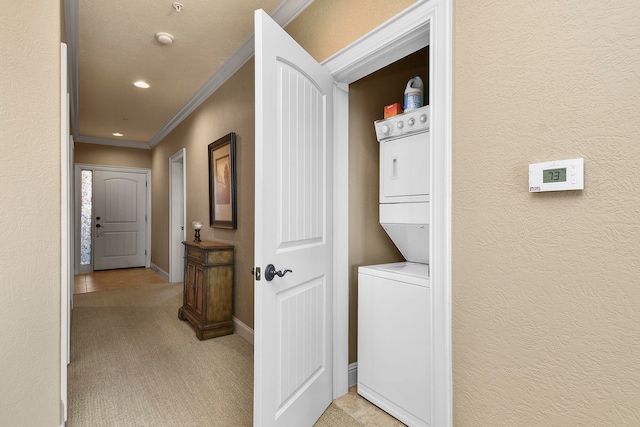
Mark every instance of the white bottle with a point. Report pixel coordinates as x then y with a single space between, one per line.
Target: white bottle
413 94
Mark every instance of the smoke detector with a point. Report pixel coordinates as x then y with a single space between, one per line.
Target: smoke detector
164 38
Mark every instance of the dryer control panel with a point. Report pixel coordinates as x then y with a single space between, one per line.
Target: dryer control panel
414 121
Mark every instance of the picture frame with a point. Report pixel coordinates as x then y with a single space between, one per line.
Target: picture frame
222 183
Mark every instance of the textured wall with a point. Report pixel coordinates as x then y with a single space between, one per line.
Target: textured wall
94 154
230 109
30 214
546 325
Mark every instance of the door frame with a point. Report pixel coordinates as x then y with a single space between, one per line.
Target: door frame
180 157
66 232
428 22
78 193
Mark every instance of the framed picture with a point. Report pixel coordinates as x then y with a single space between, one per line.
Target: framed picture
222 182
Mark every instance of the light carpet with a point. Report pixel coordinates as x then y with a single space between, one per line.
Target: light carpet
134 363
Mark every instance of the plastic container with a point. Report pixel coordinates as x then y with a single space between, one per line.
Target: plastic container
414 94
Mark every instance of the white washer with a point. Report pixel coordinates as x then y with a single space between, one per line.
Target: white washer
394 336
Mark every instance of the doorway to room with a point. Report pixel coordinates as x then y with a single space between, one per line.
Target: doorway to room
424 24
177 213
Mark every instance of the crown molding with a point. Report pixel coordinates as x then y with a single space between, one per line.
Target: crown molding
365 55
286 12
112 142
289 10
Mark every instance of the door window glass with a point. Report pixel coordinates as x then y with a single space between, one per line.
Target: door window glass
85 217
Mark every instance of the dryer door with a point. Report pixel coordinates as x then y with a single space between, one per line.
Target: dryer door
404 169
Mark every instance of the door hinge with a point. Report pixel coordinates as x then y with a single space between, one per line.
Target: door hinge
145 251
146 184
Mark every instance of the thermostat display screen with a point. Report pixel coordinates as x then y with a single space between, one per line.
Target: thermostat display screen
557 175
554 175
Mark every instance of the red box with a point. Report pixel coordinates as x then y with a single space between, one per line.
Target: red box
392 110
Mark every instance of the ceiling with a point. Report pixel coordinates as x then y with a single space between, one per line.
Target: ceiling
112 44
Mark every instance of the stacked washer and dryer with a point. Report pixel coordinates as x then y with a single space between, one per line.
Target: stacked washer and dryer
394 300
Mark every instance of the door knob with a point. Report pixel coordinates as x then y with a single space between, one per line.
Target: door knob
270 272
98 226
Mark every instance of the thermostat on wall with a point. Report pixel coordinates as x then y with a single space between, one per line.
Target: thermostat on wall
559 175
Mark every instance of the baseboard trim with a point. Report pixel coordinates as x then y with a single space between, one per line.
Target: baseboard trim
353 374
243 330
160 271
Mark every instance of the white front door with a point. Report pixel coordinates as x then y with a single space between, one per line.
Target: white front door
293 231
119 219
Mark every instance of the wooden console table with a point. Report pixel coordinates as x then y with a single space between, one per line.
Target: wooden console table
208 288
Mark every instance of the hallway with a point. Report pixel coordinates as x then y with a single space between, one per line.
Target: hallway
106 280
134 363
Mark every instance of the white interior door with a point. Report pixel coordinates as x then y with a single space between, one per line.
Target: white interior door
293 230
177 216
119 218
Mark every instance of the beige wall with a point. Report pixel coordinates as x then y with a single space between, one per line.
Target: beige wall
368 242
546 295
94 154
230 109
30 214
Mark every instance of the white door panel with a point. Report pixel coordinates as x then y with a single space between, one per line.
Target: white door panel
176 221
293 230
120 211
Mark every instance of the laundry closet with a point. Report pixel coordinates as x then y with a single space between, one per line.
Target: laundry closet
388 333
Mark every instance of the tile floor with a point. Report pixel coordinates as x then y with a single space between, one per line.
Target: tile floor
352 403
115 279
364 411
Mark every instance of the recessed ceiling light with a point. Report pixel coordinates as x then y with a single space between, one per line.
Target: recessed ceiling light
141 84
117 134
